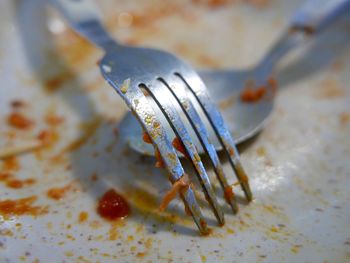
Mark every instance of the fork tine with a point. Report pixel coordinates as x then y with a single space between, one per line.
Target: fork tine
199 90
138 103
156 90
179 93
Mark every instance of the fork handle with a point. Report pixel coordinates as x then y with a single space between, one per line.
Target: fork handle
315 15
85 18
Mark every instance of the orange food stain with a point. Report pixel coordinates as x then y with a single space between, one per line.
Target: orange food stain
204 225
146 138
344 118
141 254
228 193
23 206
14 183
112 206
179 146
159 160
46 137
152 15
53 119
55 82
251 95
11 182
212 3
5 176
11 163
19 121
178 187
57 193
83 217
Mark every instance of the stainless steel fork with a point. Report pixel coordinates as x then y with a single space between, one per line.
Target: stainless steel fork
130 71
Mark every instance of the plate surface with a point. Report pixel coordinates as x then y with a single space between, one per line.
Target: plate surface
298 166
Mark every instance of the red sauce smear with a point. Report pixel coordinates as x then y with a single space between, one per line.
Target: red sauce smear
179 146
159 163
228 193
113 206
23 206
159 160
251 94
19 121
179 186
146 138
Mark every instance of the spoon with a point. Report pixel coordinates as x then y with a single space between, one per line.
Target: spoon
246 118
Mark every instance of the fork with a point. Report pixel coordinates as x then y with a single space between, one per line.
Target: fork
131 71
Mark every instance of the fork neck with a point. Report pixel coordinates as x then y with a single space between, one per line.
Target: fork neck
95 32
85 18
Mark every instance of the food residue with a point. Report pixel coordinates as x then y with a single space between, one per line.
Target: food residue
159 160
57 193
19 121
12 182
146 138
179 146
83 216
344 118
112 206
178 187
252 94
48 137
228 193
55 82
53 119
23 206
11 164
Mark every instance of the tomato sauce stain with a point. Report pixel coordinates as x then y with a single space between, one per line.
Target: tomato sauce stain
112 206
23 206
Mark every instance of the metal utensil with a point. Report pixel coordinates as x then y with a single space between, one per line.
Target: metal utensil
245 120
135 71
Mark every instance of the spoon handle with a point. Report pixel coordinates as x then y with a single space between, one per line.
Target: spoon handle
315 15
311 18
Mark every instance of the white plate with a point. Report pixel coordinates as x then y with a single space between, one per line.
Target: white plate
298 166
